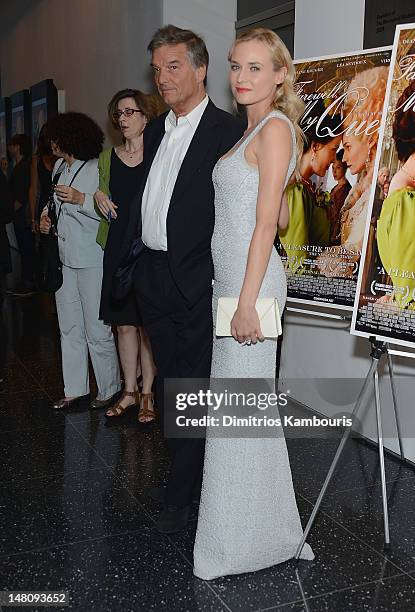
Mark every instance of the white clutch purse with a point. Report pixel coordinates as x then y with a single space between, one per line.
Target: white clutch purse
268 313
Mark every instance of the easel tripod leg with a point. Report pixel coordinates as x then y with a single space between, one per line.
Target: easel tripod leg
395 404
372 370
381 460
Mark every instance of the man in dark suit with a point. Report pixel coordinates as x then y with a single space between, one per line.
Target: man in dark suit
173 275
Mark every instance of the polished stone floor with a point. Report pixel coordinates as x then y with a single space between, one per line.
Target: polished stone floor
74 511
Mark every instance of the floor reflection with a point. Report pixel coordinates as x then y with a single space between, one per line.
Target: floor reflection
75 512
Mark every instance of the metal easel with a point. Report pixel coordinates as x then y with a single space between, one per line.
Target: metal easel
378 349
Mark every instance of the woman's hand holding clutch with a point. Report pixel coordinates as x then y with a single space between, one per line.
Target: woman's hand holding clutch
245 325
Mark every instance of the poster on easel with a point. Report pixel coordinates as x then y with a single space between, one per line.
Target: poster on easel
385 299
44 96
321 247
20 113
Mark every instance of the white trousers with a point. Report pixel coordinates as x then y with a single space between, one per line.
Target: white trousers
77 304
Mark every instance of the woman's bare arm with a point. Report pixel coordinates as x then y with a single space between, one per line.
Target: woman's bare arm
272 148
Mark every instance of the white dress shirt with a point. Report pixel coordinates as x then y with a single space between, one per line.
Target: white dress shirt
163 175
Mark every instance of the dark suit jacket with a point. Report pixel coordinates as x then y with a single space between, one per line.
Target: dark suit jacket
191 214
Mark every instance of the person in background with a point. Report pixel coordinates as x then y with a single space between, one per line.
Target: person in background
337 195
120 172
6 216
19 149
40 177
4 166
77 139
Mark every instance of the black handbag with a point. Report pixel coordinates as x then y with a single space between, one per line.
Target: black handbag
48 275
122 281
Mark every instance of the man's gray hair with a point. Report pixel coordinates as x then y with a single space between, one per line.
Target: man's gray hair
195 45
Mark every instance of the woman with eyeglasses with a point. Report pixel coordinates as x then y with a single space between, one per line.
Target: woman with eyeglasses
120 171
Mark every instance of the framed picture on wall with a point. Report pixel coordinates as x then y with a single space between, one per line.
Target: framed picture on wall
20 113
44 98
381 18
5 126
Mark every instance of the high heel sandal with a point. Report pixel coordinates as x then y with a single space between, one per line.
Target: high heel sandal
118 409
146 414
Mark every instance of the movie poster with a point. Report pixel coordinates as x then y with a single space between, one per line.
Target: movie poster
18 120
385 300
44 97
39 116
322 244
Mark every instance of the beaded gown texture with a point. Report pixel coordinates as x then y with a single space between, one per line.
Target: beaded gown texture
248 516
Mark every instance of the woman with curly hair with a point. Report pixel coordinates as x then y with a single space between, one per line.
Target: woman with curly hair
120 172
309 222
396 224
77 141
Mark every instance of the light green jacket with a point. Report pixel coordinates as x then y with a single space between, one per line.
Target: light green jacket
104 168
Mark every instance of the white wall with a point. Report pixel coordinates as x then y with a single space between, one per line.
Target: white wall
323 27
90 49
322 350
215 22
93 48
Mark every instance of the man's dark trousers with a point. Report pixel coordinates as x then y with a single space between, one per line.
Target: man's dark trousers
181 340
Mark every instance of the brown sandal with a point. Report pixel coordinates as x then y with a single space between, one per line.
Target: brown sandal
118 409
146 413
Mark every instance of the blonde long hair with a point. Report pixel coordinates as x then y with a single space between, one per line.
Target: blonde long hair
368 108
285 100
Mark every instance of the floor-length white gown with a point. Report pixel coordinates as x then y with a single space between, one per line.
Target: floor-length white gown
248 517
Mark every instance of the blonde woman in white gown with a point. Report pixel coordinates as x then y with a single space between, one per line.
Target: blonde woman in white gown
248 517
